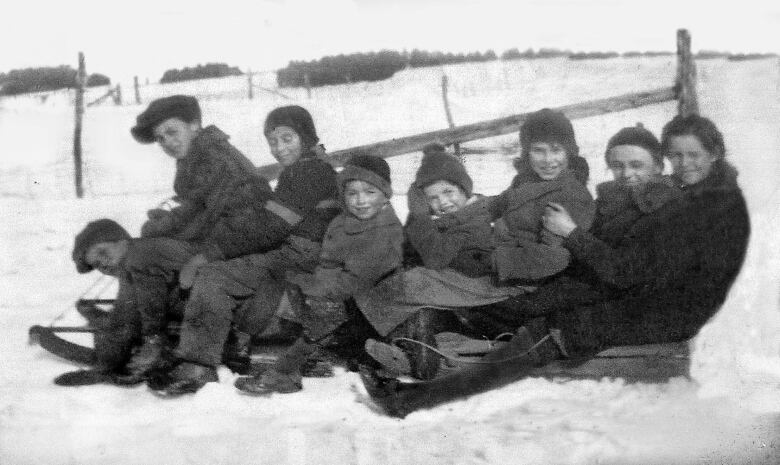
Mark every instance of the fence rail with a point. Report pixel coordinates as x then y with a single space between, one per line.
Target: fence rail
491 128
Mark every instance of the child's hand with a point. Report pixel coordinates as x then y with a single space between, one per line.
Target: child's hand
190 270
557 220
418 203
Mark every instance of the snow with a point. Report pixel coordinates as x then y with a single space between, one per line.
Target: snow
728 413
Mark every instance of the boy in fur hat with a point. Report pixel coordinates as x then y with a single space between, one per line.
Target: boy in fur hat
361 246
245 292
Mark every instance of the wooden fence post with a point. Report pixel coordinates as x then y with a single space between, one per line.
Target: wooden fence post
687 101
448 113
81 79
118 95
250 85
137 91
307 83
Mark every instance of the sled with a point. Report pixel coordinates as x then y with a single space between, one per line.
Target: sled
650 363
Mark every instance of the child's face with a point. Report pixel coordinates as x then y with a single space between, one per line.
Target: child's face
364 200
175 136
107 257
632 166
285 145
548 159
691 162
444 197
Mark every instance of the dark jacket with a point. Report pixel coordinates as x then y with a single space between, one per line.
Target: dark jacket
462 240
225 205
668 275
308 187
355 255
524 249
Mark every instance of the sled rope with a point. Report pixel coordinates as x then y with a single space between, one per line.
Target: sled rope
473 362
65 311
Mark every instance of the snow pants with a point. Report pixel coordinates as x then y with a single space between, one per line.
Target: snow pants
244 292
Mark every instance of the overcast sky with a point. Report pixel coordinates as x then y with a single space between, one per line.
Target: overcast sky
146 37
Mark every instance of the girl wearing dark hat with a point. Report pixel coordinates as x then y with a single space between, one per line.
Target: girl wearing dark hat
361 246
450 234
245 292
549 170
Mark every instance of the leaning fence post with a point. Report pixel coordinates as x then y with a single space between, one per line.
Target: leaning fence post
447 112
137 91
81 79
687 101
250 85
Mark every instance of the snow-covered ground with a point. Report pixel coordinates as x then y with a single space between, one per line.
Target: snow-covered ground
729 412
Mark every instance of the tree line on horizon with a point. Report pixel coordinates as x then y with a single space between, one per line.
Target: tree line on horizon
41 79
377 66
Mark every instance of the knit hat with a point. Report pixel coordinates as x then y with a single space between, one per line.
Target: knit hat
548 125
368 168
438 165
294 117
103 230
640 137
183 107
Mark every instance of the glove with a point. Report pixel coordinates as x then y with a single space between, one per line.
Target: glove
190 270
160 222
418 203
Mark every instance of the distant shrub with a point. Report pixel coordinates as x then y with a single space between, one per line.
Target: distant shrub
22 81
372 66
207 71
529 54
97 79
593 55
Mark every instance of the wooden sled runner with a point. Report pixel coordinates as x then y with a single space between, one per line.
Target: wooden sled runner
651 363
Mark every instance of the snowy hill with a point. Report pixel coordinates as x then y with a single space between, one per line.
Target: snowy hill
727 414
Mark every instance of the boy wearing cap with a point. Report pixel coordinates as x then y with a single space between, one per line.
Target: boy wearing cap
361 246
227 209
146 270
245 292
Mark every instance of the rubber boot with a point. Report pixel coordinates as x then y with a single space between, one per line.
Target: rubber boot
505 365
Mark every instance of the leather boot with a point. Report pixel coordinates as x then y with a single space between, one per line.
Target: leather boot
238 352
145 358
404 357
319 318
187 378
504 365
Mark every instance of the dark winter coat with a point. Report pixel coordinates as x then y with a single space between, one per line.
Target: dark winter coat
309 188
668 275
462 240
225 205
356 254
524 249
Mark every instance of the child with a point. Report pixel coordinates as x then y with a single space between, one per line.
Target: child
361 246
449 228
146 270
246 291
549 170
226 209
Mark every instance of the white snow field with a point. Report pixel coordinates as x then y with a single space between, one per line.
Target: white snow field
728 413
